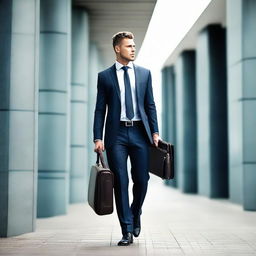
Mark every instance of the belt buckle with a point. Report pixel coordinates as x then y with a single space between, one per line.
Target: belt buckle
128 123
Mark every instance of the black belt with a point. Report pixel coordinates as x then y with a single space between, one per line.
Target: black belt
130 123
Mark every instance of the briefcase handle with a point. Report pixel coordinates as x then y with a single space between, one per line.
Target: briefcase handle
100 158
166 146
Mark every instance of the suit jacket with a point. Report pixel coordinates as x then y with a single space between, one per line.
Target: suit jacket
108 98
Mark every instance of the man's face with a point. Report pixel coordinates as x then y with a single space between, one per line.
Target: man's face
126 49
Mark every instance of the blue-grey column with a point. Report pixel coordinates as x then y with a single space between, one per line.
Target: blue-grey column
164 103
212 112
19 40
241 41
54 105
186 142
168 104
95 67
168 111
79 106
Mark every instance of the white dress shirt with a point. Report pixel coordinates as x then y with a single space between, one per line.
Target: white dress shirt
120 78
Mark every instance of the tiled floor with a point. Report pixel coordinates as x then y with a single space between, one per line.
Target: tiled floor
173 224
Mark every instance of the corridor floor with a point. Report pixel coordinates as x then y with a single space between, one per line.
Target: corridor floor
173 224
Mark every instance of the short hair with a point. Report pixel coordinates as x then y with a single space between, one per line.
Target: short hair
118 37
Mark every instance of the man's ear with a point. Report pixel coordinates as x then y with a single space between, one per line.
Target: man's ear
117 48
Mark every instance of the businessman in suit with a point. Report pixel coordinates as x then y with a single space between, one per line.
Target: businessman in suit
125 91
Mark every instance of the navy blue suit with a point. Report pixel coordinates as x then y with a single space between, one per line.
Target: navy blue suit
121 142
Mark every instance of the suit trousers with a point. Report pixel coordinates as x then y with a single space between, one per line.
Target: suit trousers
133 142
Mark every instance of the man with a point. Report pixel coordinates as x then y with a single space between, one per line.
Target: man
125 90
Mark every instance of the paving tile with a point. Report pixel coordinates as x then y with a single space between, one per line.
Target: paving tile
172 224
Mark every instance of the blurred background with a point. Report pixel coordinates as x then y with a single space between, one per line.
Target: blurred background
202 56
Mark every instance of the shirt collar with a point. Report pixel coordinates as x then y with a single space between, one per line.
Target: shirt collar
119 65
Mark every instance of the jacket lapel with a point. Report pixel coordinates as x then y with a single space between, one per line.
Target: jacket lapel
114 79
137 82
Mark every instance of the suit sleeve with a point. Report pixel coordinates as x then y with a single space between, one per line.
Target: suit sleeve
100 110
150 107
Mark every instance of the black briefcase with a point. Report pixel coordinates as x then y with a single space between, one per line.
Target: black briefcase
100 190
161 160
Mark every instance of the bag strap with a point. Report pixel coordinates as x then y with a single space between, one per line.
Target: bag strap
100 159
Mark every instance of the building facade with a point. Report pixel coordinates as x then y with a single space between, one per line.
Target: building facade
211 86
50 54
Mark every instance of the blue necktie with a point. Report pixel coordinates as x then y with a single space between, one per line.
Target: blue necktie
128 94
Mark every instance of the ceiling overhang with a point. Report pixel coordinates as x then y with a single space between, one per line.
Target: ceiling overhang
108 17
215 13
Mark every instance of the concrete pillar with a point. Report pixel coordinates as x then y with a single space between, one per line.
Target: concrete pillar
19 40
54 107
94 67
186 142
164 103
79 106
241 41
168 111
212 112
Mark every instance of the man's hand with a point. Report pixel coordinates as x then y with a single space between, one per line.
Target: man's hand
156 138
99 146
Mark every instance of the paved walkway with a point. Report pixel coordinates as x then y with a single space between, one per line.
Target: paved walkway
173 224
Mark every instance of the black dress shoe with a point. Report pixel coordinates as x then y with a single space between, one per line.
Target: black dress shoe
136 227
126 240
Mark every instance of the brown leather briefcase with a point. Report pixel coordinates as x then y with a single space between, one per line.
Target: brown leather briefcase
161 160
100 190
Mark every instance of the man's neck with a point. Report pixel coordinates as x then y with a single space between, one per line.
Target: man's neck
122 61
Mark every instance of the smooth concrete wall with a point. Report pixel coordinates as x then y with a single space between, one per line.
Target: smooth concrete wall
241 41
19 37
169 112
212 112
54 107
79 106
186 142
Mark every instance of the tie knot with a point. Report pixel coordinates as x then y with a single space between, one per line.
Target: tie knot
125 68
